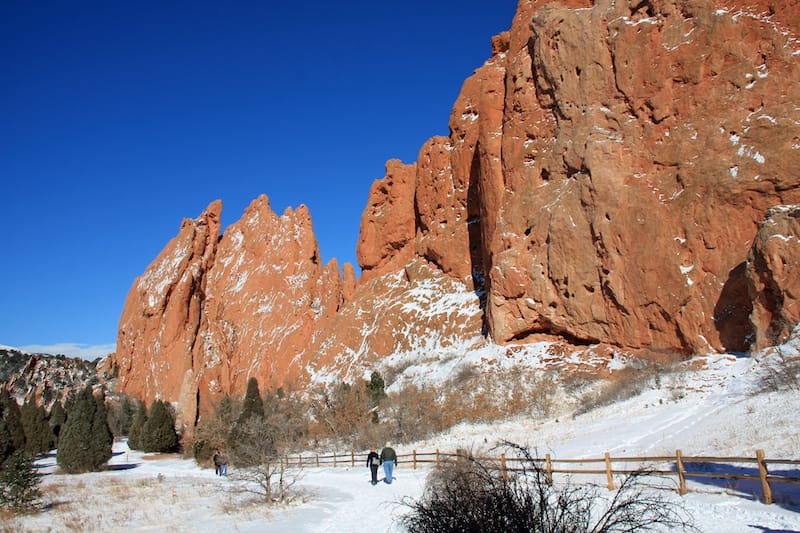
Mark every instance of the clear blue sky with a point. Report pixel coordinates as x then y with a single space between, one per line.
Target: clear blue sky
119 119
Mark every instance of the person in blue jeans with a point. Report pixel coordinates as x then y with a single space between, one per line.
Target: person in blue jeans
389 460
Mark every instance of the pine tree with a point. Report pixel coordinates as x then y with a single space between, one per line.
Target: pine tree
19 484
13 420
376 388
158 433
127 410
135 433
102 440
38 435
253 404
85 441
58 416
6 444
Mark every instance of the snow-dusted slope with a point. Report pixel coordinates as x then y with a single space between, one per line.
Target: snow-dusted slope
719 410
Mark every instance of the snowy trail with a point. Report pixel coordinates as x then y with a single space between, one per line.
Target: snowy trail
718 415
342 499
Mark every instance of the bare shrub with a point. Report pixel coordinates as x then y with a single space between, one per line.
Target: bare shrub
781 370
340 412
212 430
472 495
625 383
414 413
260 457
677 385
417 412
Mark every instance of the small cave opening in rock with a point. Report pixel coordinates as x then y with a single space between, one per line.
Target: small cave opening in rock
732 312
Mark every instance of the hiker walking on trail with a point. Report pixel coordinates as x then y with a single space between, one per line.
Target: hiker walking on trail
373 461
223 467
389 460
217 462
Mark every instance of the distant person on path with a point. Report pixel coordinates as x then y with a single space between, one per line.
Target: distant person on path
373 461
223 467
217 462
388 459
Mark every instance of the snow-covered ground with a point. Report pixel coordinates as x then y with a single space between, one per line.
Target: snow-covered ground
716 411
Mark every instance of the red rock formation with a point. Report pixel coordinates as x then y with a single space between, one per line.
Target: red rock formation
266 294
207 315
774 277
605 176
609 165
161 318
385 242
414 309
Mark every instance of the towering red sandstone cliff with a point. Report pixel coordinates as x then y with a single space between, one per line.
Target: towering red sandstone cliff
604 180
161 318
211 312
608 167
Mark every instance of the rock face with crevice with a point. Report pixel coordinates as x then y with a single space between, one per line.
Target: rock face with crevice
606 174
773 275
608 167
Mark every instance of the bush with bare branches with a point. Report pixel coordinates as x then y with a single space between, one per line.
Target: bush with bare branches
259 456
472 495
781 370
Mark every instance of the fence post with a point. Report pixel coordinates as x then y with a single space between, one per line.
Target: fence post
317 460
609 477
548 468
334 459
762 471
437 456
415 459
503 466
681 473
353 458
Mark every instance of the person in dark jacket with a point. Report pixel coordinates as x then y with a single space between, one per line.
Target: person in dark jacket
217 462
388 460
373 461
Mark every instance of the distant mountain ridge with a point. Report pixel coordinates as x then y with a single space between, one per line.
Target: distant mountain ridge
616 175
44 378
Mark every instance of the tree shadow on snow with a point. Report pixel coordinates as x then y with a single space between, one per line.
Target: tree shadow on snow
786 495
126 466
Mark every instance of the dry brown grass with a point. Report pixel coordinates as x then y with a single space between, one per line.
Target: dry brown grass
468 396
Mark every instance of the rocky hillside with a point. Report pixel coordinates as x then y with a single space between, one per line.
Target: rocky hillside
43 378
621 175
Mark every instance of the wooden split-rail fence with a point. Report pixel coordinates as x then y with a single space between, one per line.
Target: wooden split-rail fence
681 466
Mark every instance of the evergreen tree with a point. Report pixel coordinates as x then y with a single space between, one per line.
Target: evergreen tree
69 401
135 433
158 433
13 420
120 415
127 409
38 435
376 388
251 418
19 484
6 444
85 441
58 416
102 440
253 404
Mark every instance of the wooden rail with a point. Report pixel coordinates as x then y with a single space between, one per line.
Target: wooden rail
549 465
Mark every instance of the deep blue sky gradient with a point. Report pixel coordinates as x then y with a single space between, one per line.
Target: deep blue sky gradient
119 119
